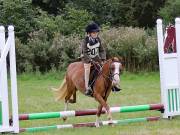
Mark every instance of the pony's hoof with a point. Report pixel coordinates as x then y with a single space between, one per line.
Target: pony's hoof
10 122
111 123
64 119
97 124
72 101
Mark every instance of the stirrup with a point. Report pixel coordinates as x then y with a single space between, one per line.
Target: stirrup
116 89
88 91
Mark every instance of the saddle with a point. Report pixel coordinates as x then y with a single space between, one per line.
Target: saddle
94 73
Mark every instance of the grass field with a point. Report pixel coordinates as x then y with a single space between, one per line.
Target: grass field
143 88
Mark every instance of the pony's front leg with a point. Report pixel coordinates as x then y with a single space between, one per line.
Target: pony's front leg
104 104
98 115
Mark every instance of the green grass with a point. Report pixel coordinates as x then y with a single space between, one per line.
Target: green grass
34 95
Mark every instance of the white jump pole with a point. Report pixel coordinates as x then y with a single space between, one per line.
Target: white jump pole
13 74
3 83
9 46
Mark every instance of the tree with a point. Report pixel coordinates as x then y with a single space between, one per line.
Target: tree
170 11
51 6
106 11
145 12
141 13
19 13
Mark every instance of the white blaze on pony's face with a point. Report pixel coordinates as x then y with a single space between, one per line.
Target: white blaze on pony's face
115 71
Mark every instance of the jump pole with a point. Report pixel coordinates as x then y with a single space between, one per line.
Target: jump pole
90 124
47 115
7 46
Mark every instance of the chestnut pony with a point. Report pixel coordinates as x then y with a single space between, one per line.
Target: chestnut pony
74 80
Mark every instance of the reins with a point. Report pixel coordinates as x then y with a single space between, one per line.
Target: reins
110 76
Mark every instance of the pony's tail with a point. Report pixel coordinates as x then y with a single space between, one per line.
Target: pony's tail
61 92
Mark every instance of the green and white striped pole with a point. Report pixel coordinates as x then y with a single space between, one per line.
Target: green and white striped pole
91 124
124 109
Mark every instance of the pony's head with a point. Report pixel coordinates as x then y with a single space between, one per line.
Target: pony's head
115 70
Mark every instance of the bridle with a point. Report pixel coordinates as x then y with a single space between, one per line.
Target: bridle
111 75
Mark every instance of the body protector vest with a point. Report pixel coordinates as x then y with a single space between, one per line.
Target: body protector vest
93 45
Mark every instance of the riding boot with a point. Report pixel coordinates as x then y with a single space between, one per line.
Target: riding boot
88 91
116 89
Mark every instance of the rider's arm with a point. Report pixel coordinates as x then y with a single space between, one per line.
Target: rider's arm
85 52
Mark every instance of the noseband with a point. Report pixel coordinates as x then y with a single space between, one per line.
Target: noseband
111 75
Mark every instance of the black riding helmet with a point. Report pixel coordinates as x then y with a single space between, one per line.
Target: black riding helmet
92 27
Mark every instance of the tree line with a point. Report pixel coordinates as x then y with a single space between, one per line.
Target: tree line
49 32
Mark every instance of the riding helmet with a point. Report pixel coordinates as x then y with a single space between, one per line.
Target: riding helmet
92 27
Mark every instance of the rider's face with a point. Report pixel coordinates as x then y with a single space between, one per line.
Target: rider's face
94 34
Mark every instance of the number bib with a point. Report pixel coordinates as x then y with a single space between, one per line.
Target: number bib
93 50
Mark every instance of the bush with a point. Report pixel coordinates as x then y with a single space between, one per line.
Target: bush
67 23
138 49
73 21
43 55
65 49
47 23
23 57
